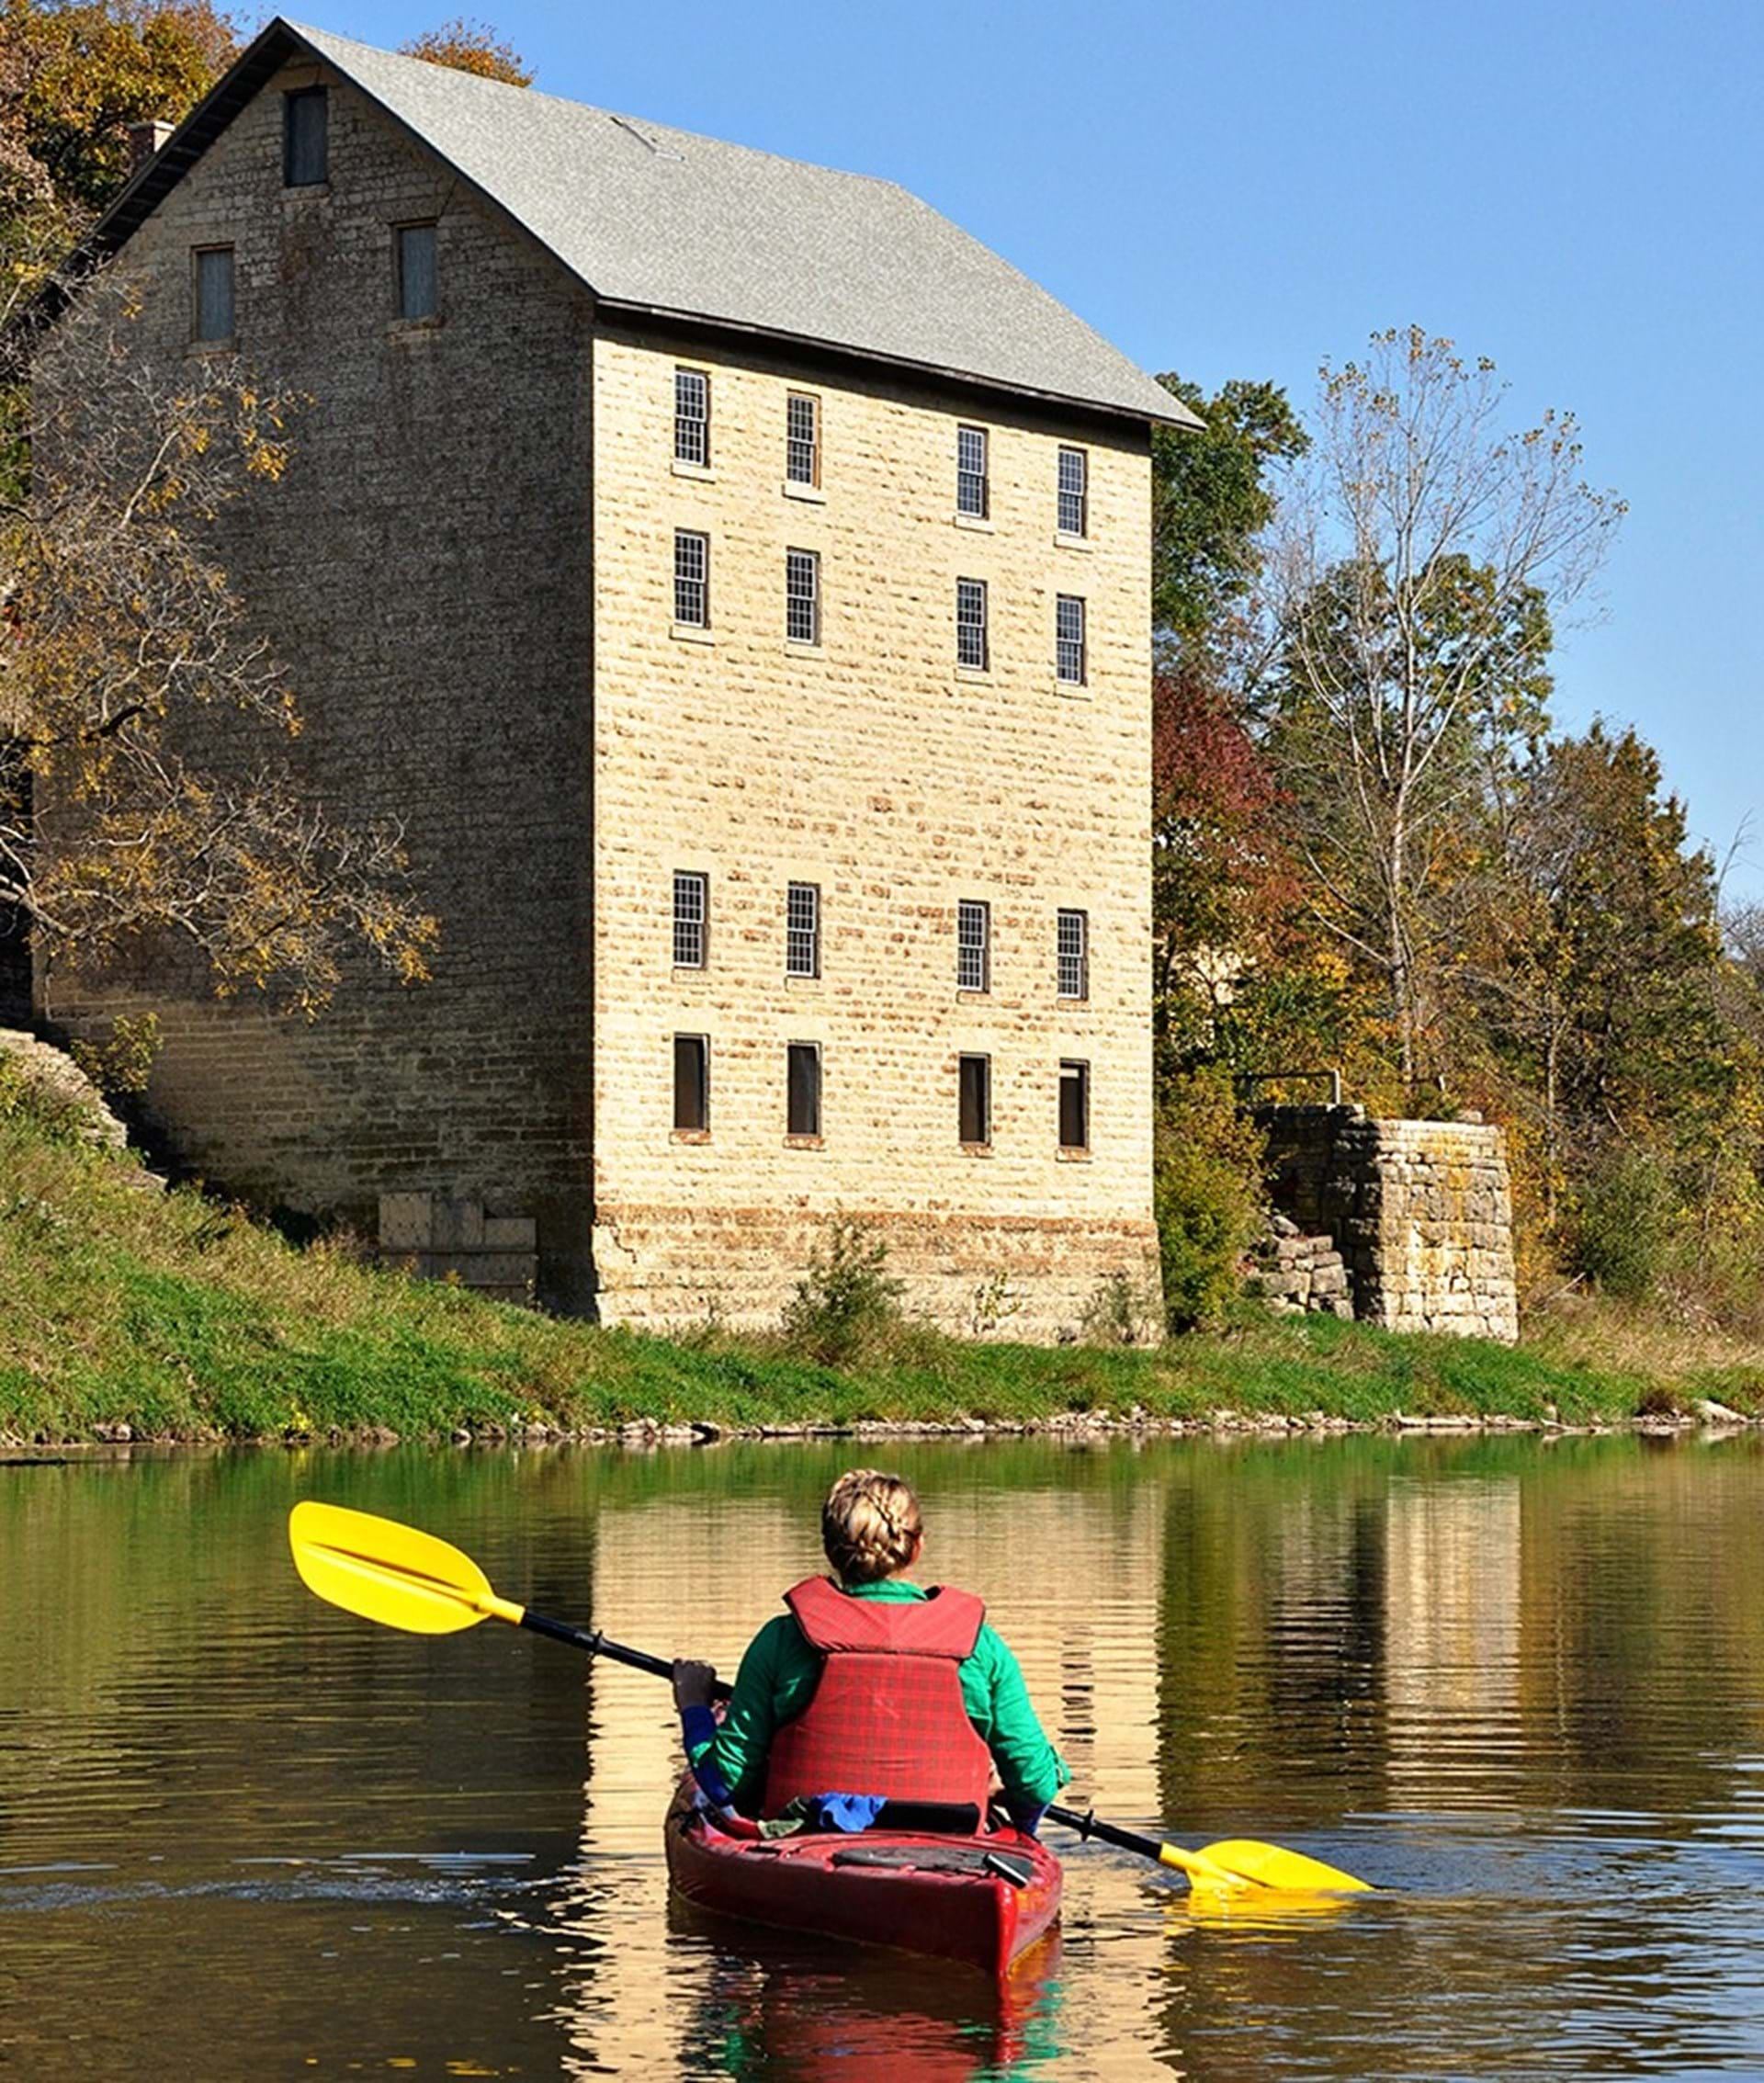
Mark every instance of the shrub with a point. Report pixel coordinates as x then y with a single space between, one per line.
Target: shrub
1119 1311
846 1303
1206 1197
1622 1229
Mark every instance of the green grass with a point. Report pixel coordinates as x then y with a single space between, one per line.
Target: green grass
123 1306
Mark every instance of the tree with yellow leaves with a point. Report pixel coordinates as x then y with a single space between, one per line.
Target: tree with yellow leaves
123 650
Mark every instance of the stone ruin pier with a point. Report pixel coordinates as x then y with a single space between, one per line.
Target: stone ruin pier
1421 1213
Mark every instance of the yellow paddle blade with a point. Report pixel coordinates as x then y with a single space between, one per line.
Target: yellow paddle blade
1200 1870
1268 1865
391 1573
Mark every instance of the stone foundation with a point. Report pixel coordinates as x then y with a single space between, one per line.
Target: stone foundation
1296 1275
1041 1281
1421 1212
437 1238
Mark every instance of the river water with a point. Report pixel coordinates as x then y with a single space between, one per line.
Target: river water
1519 1685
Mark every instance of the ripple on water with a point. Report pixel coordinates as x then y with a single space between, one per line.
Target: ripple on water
1520 1688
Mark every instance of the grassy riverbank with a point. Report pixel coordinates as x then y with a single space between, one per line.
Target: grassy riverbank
122 1306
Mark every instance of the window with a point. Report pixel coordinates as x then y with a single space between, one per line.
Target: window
419 288
802 1082
975 1104
691 579
692 417
691 918
305 120
802 597
1074 491
802 930
1073 954
970 471
1074 1106
970 624
214 293
802 439
691 1083
973 949
1069 639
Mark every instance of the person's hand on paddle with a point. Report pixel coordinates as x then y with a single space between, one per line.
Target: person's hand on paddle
694 1684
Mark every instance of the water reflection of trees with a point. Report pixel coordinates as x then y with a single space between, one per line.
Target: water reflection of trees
1263 1639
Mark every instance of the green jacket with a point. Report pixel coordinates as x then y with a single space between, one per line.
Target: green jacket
778 1676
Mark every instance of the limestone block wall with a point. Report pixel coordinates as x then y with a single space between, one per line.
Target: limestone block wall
1422 1211
1296 1274
873 767
422 573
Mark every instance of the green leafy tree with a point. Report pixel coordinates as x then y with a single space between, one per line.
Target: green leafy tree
1212 497
1601 976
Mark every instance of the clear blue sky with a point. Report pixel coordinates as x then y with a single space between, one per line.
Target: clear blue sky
1577 190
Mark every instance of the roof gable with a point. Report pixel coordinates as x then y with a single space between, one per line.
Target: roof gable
662 221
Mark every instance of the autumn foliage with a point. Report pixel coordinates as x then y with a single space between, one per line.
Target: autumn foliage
471 47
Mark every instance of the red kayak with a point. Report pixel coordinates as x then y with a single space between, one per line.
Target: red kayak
980 1899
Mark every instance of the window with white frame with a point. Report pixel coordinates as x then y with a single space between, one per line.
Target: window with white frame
802 439
691 919
802 930
691 579
802 597
1074 491
692 417
1073 954
1069 639
970 624
973 945
970 471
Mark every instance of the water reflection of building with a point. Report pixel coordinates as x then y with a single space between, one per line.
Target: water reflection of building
1452 1638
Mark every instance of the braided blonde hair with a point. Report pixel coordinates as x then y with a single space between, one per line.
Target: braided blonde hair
869 1525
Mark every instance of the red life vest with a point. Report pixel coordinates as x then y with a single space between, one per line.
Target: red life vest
887 1715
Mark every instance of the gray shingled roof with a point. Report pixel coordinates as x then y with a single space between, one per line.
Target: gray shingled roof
662 220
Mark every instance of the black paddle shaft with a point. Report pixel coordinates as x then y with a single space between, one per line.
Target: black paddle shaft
1088 1825
597 1645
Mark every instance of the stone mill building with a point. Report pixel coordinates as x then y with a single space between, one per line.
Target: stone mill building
737 579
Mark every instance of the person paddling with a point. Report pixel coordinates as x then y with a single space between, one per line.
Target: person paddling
870 1687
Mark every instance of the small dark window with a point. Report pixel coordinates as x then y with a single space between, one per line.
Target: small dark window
419 287
692 417
691 579
802 930
976 1099
970 624
1074 1106
971 488
305 124
691 1082
691 918
804 1089
802 597
214 293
